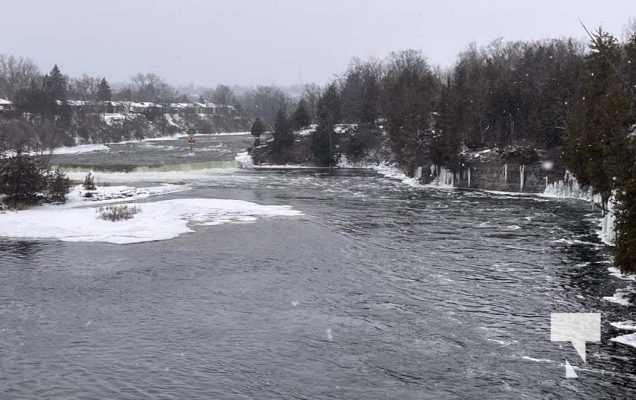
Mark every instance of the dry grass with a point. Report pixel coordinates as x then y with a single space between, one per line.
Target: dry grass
118 212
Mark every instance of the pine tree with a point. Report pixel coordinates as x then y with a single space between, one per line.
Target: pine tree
301 117
446 142
258 128
625 253
58 185
283 134
324 139
22 179
595 145
55 84
103 91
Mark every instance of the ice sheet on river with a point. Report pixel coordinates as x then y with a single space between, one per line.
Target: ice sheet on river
159 220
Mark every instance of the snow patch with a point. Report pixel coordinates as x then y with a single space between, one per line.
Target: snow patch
110 194
306 132
161 220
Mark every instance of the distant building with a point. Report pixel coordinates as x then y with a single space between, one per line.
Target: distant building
113 107
6 105
142 107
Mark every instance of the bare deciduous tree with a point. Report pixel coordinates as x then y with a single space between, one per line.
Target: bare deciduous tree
17 73
223 95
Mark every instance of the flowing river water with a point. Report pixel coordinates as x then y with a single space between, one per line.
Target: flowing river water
379 290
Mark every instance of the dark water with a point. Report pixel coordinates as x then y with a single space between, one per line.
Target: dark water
379 291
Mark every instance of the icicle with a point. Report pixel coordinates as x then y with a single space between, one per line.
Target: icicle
505 173
522 169
468 176
568 187
546 183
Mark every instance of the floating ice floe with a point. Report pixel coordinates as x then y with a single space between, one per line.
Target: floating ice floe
109 194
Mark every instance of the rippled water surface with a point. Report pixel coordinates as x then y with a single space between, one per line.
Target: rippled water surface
379 291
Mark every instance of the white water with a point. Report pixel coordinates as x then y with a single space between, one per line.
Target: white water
244 160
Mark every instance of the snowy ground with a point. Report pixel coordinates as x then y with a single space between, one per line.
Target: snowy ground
78 221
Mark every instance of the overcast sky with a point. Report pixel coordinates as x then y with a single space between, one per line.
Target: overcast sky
283 42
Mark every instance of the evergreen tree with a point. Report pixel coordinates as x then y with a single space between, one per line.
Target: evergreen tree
103 91
35 101
55 84
283 134
596 146
446 141
258 128
58 186
22 179
324 139
625 253
301 117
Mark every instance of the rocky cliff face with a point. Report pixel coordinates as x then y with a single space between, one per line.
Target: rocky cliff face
497 170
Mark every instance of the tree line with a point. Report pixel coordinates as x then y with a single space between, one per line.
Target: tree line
558 95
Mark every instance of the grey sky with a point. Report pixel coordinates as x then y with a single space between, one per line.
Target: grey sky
260 42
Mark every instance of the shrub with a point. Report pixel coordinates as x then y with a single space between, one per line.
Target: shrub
118 212
58 185
23 179
89 182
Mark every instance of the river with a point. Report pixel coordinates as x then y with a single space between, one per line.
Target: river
378 291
